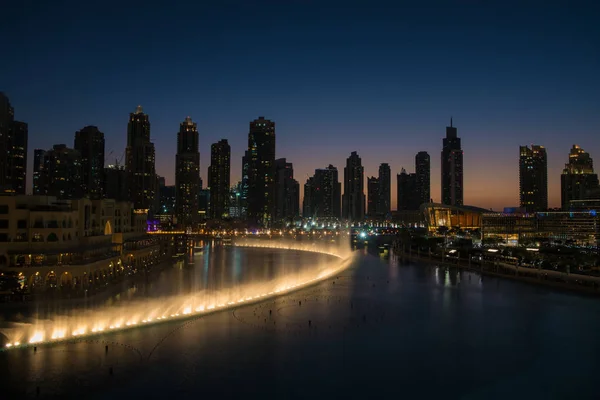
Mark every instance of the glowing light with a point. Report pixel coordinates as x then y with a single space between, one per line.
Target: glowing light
112 319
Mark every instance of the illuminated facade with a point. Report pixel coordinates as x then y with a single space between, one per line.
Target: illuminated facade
187 174
353 200
578 180
452 168
580 227
219 176
13 150
89 142
261 171
140 161
323 194
533 178
463 217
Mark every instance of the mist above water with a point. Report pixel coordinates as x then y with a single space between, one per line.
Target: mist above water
211 296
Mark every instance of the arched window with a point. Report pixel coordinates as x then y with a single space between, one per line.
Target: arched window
52 237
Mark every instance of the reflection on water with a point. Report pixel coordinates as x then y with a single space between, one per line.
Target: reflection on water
210 276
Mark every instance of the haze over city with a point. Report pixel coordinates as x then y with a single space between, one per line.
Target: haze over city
508 75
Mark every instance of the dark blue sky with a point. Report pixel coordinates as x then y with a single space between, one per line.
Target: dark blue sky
379 78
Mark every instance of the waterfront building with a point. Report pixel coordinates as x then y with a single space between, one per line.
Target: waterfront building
353 200
533 178
452 168
578 180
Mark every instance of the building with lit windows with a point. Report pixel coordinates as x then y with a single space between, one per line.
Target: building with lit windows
261 171
219 175
287 191
423 176
533 178
578 180
452 168
61 173
13 150
89 142
187 174
373 196
353 199
140 161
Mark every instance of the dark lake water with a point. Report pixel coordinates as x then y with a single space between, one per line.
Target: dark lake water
380 329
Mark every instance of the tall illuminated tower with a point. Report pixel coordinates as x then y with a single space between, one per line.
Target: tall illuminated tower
187 174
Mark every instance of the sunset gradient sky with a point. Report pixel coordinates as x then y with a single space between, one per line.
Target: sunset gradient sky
336 77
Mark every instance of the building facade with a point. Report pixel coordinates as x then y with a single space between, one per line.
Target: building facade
385 191
578 180
261 171
140 161
61 174
287 191
187 174
219 176
89 142
353 199
13 150
533 178
423 173
408 197
452 168
373 196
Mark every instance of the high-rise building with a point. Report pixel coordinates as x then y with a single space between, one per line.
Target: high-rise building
353 200
38 166
115 183
373 190
13 150
261 171
578 179
140 161
167 199
235 200
187 173
89 142
533 178
61 175
452 168
308 203
245 185
287 191
408 197
322 194
423 172
219 176
385 190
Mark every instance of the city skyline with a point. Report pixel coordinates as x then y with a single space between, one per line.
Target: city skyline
513 80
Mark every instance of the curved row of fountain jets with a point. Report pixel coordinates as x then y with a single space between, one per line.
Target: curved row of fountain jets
59 334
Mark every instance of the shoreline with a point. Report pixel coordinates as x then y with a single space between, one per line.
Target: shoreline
522 274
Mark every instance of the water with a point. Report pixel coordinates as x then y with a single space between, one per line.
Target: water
378 329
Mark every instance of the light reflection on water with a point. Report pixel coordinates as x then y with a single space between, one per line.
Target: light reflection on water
231 275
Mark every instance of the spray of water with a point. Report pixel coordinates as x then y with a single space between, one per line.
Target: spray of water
150 311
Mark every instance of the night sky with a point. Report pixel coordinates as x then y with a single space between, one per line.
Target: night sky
334 76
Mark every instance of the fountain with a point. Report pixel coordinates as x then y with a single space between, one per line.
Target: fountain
157 310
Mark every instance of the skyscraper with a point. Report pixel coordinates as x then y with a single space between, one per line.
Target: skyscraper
408 197
322 194
245 185
13 150
261 171
287 191
219 178
578 178
115 183
38 167
373 200
385 191
61 175
423 173
533 178
89 142
140 161
187 173
353 199
452 168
